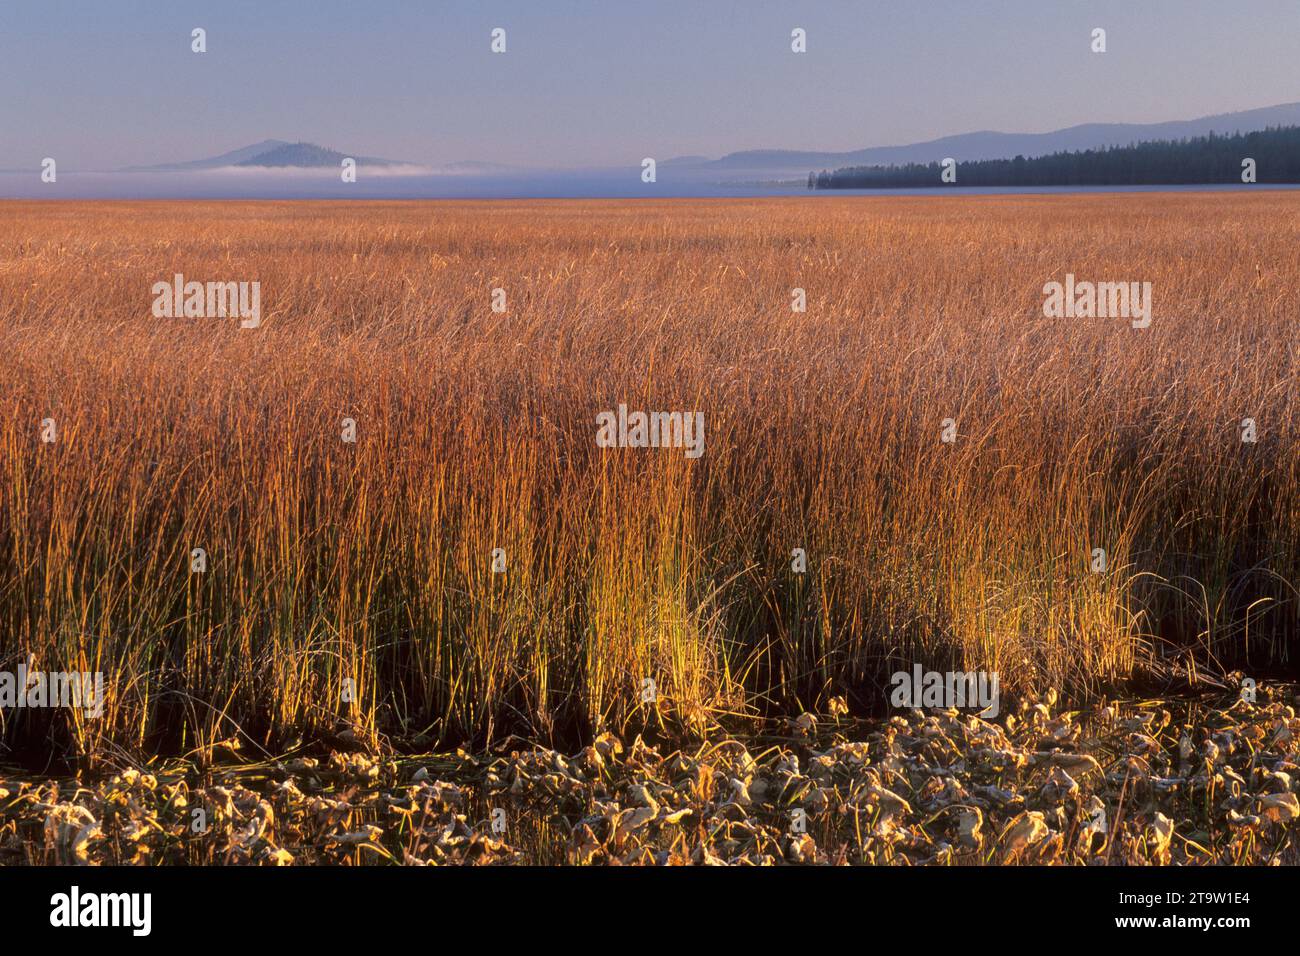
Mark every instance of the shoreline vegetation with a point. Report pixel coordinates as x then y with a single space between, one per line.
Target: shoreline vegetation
1187 782
474 565
1273 155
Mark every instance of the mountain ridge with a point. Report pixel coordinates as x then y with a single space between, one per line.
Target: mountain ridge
993 144
271 153
964 147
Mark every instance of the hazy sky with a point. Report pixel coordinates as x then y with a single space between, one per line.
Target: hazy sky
107 83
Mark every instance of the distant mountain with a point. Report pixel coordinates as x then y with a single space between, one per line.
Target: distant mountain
309 155
232 158
968 147
273 153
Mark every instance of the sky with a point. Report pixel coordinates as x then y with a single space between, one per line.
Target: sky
102 84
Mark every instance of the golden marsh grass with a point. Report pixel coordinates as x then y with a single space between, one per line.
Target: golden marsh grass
371 562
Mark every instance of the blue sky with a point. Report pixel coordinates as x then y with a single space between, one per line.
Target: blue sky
107 83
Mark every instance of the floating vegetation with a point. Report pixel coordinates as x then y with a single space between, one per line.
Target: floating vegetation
1174 781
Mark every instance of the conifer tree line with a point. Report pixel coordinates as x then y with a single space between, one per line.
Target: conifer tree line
1200 160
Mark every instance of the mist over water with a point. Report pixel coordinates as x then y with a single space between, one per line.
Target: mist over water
376 184
609 183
